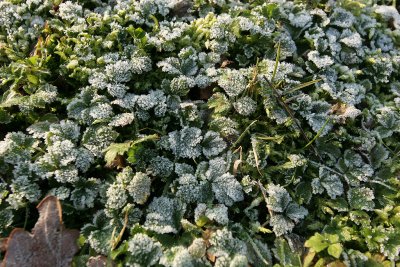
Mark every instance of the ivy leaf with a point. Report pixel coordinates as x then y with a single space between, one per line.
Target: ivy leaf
49 244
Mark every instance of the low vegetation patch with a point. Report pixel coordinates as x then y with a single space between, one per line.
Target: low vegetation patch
201 133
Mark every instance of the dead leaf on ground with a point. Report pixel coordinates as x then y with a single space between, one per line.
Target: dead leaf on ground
3 244
99 261
49 244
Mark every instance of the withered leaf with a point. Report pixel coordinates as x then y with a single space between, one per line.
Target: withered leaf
49 244
99 261
3 244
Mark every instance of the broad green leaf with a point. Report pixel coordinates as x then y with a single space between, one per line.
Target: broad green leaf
219 102
285 254
335 250
115 149
317 243
121 148
33 79
361 198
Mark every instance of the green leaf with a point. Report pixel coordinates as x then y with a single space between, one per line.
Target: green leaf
259 253
317 243
285 254
378 155
33 79
219 102
361 198
121 148
122 249
202 220
115 149
335 250
5 117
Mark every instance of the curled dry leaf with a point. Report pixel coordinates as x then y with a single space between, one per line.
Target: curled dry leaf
49 244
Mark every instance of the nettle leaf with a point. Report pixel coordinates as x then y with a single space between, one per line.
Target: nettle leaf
281 225
259 253
49 244
278 198
335 250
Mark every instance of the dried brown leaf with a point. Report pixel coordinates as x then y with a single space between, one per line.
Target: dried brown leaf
99 261
49 244
211 257
3 244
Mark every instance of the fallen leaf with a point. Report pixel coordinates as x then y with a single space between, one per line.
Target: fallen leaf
225 63
211 257
49 244
3 244
99 261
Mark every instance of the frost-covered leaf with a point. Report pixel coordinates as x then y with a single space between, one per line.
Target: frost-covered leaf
361 198
233 82
285 255
139 187
212 144
296 212
186 142
278 198
281 225
143 251
227 189
164 215
328 181
219 102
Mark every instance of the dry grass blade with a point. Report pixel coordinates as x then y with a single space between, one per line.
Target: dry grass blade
300 86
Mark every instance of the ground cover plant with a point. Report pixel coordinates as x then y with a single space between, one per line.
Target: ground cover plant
205 132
